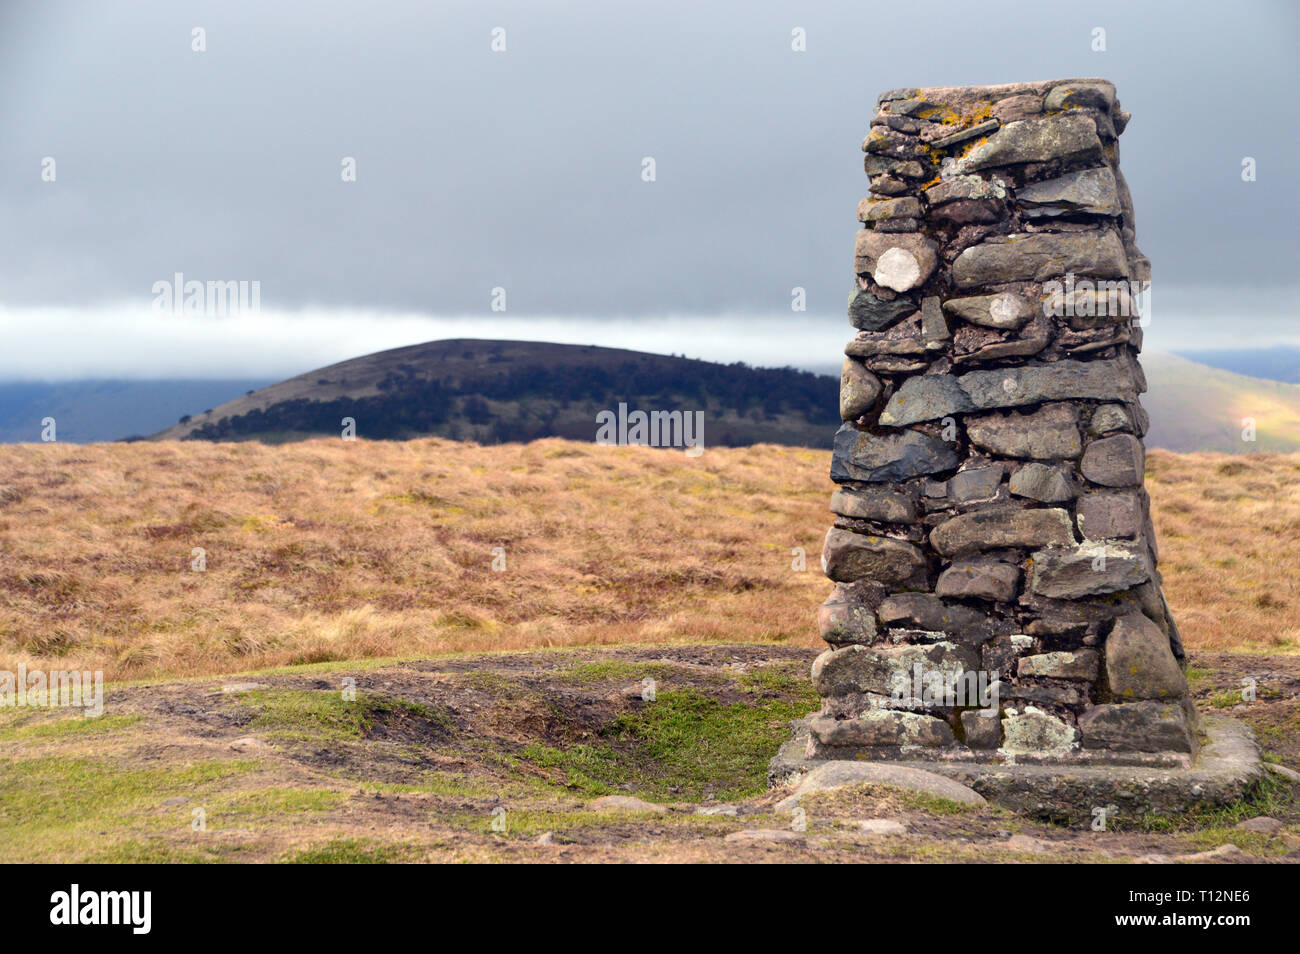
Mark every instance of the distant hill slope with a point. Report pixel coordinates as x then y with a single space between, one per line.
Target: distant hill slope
497 391
106 410
1195 407
1279 363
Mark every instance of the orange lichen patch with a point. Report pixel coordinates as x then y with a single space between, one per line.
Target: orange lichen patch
966 147
939 114
966 114
976 113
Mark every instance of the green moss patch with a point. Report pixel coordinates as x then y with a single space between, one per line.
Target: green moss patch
683 745
324 715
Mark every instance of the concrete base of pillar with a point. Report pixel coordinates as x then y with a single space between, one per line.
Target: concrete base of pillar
1226 769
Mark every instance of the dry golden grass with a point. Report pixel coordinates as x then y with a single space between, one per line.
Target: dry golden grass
1228 528
329 550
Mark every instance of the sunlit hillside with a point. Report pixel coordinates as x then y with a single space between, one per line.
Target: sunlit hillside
1195 406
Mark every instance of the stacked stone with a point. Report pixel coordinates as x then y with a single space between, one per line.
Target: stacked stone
991 517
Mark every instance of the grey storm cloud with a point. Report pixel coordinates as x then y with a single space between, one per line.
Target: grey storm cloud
522 169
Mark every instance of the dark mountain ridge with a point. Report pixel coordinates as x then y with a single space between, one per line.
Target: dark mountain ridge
500 391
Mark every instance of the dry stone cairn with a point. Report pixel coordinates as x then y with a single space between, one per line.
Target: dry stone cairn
996 593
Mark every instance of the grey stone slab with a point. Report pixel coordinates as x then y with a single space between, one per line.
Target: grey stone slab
1140 662
868 312
1072 137
1039 256
964 188
887 669
878 727
1052 432
1044 483
1090 569
1138 727
849 556
1004 311
981 579
1072 664
978 483
1118 461
848 615
974 132
885 503
1007 526
930 397
859 390
859 455
1090 191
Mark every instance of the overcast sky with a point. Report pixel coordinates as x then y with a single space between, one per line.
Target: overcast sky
522 169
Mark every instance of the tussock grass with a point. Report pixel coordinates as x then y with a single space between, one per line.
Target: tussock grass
1228 527
328 550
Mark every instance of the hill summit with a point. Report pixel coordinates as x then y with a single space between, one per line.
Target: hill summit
500 391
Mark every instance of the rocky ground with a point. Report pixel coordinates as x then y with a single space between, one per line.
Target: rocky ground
546 756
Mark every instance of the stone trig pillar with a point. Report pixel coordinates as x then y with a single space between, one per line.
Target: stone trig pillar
996 594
